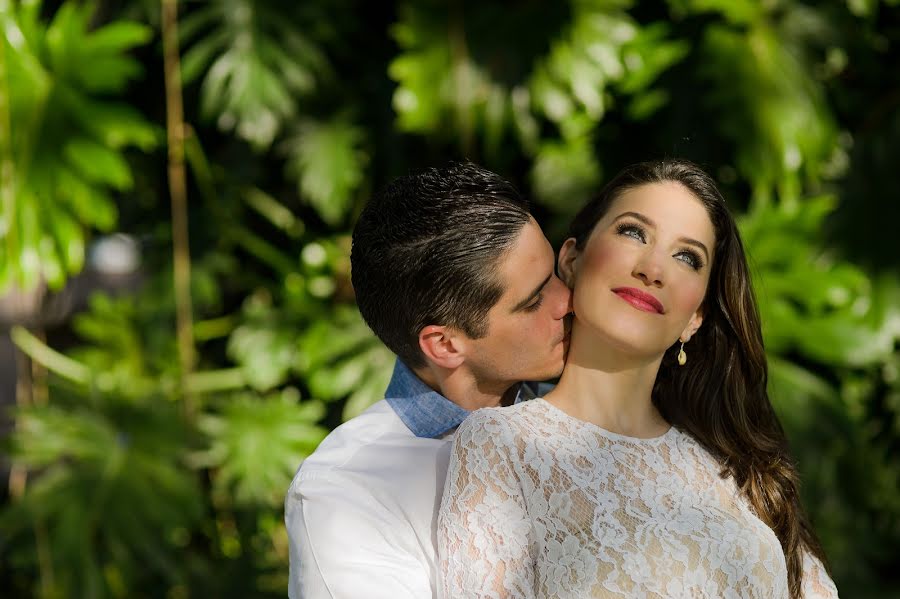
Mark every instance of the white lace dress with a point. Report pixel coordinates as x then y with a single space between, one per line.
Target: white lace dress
541 504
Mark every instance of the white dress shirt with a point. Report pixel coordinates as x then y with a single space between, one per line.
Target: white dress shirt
361 512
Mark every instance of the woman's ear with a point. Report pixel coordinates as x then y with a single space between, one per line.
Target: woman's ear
441 346
693 326
568 255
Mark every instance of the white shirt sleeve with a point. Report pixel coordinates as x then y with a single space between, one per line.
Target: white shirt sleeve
344 544
485 537
816 583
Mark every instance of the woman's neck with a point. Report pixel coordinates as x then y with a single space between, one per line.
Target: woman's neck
604 386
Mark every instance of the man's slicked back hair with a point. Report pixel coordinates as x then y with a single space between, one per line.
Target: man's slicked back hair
426 250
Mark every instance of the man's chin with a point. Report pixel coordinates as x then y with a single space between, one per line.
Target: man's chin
558 371
551 372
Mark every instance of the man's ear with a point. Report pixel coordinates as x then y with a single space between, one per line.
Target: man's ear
693 326
568 254
442 346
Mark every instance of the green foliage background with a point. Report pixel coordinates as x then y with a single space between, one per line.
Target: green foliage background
296 112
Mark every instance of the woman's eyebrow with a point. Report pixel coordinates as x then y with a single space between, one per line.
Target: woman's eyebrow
650 223
637 216
696 243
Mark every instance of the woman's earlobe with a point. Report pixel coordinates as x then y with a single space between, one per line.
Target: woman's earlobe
568 254
693 327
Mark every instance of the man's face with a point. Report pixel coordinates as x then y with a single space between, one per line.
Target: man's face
526 338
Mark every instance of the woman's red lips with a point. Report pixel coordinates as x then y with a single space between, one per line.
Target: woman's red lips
640 299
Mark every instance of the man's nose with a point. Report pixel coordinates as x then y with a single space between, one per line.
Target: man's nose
563 303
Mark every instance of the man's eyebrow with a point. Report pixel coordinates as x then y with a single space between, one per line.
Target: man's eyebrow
650 223
533 294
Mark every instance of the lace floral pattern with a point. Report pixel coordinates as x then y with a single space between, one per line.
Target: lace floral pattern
540 504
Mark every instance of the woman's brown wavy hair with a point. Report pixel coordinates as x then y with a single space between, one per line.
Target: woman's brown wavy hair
720 396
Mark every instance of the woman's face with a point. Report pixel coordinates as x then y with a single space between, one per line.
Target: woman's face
641 277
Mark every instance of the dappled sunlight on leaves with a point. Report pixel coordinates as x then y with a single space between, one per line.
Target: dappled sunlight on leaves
132 478
66 137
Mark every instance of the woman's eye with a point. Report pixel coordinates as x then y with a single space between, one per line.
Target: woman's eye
631 231
690 258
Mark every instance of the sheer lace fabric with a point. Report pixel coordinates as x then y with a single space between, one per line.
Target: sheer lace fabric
540 504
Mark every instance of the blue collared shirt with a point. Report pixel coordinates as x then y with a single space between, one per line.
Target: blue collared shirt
426 412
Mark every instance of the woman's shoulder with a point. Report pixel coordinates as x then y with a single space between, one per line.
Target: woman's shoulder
501 420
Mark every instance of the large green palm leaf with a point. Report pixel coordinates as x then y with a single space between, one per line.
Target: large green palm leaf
63 159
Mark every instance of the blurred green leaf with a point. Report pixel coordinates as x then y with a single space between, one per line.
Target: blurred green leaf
841 339
565 173
371 389
583 61
648 55
765 88
126 347
328 162
424 85
265 349
257 443
737 12
108 485
811 301
65 155
340 356
258 62
98 164
69 45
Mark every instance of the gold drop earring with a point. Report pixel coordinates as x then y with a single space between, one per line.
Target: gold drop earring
682 357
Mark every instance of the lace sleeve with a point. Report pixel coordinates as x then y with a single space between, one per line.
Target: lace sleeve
484 534
816 583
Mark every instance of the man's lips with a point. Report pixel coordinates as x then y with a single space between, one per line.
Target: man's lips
564 340
640 299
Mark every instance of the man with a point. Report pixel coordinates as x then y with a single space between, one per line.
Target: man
455 276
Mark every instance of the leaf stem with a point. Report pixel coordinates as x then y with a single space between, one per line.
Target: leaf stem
48 357
7 166
175 134
462 77
215 380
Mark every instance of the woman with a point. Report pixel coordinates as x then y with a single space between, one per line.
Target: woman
657 466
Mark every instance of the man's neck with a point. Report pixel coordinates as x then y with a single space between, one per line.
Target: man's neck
462 388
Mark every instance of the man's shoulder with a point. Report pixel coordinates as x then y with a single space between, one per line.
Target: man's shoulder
351 440
372 448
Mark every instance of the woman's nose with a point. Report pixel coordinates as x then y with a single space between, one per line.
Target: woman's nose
649 270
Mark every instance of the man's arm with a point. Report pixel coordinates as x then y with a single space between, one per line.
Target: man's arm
346 544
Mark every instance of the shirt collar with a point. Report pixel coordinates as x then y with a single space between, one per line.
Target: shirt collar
427 413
